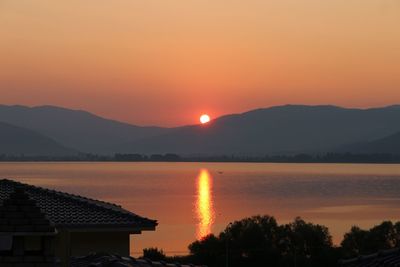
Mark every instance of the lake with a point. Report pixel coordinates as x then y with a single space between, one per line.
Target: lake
190 200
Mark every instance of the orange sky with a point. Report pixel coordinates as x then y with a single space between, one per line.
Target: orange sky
165 62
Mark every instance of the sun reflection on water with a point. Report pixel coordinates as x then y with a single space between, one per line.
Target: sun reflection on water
204 204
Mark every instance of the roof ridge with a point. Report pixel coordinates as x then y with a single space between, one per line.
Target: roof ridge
98 203
78 197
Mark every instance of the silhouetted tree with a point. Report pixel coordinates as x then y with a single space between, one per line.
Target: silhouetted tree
353 242
260 241
154 254
252 241
307 244
129 157
383 236
209 250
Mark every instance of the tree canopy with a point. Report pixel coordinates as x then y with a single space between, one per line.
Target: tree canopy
261 241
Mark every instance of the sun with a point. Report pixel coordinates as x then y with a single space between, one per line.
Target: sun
204 118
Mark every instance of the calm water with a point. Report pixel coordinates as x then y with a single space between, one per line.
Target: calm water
193 199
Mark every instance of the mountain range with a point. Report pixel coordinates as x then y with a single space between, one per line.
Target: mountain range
19 141
289 129
76 129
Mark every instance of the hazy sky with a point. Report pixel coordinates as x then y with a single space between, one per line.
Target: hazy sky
166 61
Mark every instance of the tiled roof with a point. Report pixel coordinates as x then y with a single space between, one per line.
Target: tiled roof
73 211
108 260
387 258
29 261
19 214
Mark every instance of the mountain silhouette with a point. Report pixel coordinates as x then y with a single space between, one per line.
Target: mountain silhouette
389 144
77 129
18 141
285 129
277 130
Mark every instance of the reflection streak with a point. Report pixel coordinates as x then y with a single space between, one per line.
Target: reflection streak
204 204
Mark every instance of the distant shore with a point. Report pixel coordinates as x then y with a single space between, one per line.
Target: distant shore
297 158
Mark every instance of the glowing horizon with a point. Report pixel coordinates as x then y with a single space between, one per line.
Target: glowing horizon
163 62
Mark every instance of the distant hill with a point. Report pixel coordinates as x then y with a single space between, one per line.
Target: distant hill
17 141
77 129
286 129
389 144
277 130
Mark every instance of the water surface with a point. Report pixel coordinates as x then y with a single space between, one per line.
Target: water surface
190 200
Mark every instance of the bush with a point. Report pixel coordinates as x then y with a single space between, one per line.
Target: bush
154 254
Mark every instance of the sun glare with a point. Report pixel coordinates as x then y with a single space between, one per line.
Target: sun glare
204 118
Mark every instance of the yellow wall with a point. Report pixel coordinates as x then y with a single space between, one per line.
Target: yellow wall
83 243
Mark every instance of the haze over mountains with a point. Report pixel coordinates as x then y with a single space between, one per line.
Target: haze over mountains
76 129
17 141
277 130
389 144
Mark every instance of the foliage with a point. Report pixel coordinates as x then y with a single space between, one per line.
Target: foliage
251 241
209 250
261 241
383 236
307 244
154 254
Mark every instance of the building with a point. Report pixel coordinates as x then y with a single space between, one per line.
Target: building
107 260
387 258
42 227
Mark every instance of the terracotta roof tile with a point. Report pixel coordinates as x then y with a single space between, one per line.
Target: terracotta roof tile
388 258
109 260
68 210
19 213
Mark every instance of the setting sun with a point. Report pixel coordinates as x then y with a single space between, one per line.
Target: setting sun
204 118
